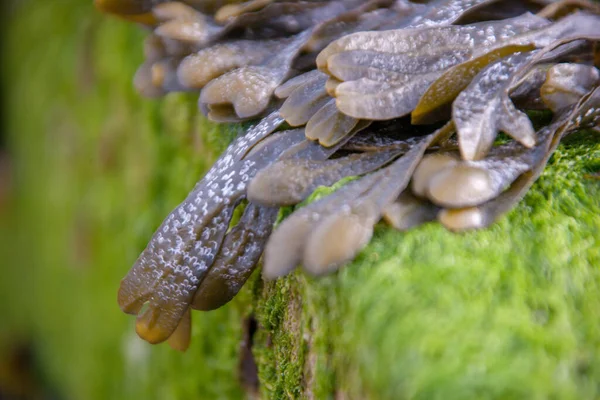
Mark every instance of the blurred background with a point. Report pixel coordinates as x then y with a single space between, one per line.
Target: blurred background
86 173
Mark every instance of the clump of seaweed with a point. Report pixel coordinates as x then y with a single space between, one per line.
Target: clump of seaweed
406 97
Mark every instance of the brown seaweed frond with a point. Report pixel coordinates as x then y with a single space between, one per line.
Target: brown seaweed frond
406 98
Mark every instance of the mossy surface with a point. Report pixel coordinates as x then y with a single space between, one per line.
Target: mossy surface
509 312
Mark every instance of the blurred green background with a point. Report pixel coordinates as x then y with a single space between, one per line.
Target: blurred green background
88 170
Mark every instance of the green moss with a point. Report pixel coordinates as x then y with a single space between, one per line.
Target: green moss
508 312
278 345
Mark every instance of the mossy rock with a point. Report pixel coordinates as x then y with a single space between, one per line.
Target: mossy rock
508 312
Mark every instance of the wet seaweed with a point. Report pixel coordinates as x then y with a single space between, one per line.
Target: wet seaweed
407 98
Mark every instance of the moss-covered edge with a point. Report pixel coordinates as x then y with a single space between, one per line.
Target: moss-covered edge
508 312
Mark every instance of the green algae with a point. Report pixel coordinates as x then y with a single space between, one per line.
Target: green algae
505 312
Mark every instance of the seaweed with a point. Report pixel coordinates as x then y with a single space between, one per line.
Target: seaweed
385 74
407 99
585 114
289 182
329 232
